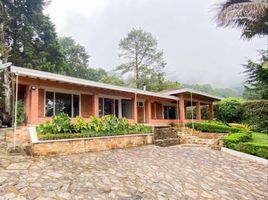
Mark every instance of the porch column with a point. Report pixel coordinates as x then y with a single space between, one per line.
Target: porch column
198 110
34 93
182 108
210 111
134 109
148 111
95 105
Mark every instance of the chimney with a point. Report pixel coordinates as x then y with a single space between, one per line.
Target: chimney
144 87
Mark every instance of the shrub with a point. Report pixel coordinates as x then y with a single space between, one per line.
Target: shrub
80 125
229 110
241 141
255 113
240 126
61 124
60 127
20 113
212 127
235 138
253 149
44 128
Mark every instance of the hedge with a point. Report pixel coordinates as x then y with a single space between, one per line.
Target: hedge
255 113
213 127
253 149
241 142
237 138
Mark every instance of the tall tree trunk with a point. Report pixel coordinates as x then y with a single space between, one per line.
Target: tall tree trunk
6 90
6 83
137 67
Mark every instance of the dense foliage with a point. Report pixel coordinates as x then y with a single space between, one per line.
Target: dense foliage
229 110
30 36
255 113
61 127
252 113
212 127
256 86
244 141
20 113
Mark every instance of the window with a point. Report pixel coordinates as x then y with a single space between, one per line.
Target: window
126 108
169 112
57 103
101 112
49 107
75 105
140 104
108 106
63 103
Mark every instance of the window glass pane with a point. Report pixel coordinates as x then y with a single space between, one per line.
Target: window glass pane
49 104
172 112
75 105
169 112
100 107
165 112
108 106
63 103
126 108
116 108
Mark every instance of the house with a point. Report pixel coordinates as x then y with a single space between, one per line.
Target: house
46 94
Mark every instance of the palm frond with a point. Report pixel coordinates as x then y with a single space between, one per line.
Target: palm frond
249 15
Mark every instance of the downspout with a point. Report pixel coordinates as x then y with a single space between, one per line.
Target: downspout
15 115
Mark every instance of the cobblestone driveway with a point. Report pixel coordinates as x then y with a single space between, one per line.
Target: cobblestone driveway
147 172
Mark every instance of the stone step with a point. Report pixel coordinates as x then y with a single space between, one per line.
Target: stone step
194 145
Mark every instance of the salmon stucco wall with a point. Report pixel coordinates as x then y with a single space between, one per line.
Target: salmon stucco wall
86 105
156 107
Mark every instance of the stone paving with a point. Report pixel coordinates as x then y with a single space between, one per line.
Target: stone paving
147 172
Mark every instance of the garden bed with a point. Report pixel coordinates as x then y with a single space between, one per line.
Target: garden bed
83 145
61 137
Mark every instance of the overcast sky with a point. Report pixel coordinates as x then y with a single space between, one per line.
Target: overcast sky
196 51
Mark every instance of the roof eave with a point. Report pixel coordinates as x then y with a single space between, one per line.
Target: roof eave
68 79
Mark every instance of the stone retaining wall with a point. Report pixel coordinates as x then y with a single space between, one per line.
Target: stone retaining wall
82 145
165 136
22 136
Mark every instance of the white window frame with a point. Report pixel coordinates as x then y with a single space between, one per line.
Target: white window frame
112 98
63 92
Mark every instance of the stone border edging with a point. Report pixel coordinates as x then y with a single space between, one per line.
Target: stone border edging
245 155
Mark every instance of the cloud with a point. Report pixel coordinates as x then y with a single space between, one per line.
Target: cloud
195 49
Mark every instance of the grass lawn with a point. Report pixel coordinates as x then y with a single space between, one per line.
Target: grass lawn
259 138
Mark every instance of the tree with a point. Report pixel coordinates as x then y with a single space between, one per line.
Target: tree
140 55
249 15
256 84
27 39
230 110
77 59
31 36
112 79
75 56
